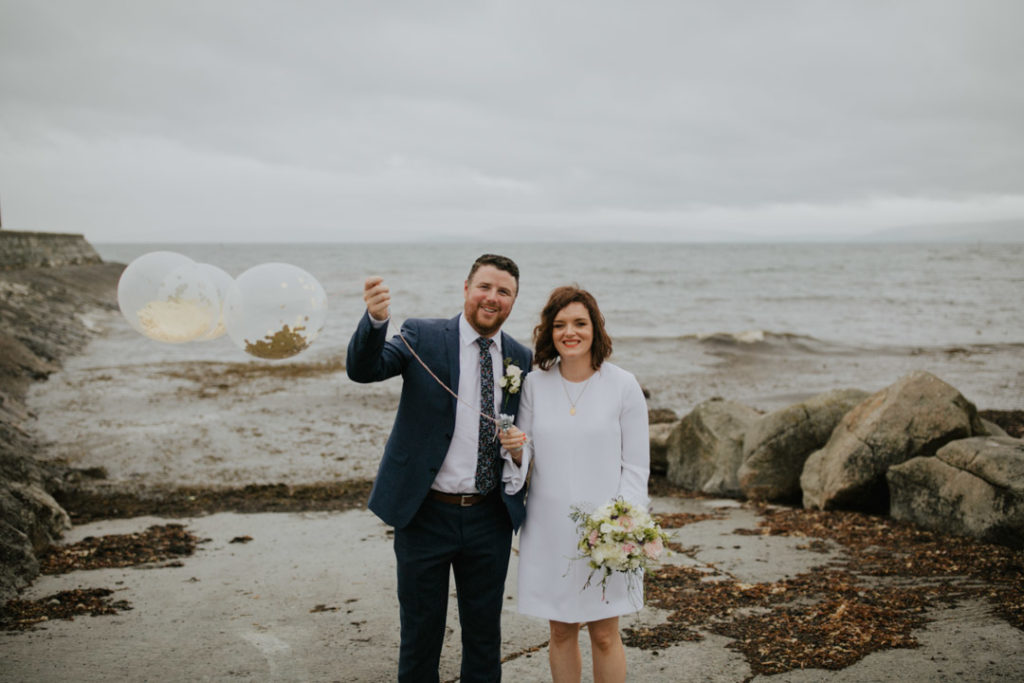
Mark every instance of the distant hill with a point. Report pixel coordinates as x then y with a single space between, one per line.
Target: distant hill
989 231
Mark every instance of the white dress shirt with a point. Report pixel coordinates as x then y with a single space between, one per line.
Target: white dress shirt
458 471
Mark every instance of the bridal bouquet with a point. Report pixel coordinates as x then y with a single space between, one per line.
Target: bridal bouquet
618 537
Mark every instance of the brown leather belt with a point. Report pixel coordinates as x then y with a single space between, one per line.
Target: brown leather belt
461 499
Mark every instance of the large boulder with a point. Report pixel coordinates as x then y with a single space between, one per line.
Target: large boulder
30 521
705 450
661 423
916 416
992 429
972 487
777 445
659 434
18 563
30 509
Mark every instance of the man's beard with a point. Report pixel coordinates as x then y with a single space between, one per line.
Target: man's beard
486 329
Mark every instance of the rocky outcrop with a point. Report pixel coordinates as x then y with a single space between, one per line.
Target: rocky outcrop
914 417
972 487
662 421
27 507
44 250
777 445
947 468
660 433
44 317
705 450
992 429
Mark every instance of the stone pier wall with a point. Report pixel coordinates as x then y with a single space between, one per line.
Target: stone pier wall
44 249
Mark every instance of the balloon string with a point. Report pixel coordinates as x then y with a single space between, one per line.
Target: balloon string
445 387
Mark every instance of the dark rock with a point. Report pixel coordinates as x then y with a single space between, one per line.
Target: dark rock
916 416
705 450
661 416
971 487
18 562
44 318
777 445
31 510
660 432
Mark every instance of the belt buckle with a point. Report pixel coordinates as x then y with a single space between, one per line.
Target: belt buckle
463 498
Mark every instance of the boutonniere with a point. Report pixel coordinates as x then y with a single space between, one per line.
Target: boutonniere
512 379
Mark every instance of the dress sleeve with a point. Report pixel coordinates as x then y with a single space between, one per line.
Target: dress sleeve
512 475
636 444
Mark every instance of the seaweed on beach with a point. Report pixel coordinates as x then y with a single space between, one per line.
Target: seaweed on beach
675 520
158 543
26 615
213 377
873 598
155 544
89 504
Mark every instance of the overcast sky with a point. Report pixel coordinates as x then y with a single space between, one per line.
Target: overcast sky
339 120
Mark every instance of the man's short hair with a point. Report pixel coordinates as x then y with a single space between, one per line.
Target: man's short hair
499 262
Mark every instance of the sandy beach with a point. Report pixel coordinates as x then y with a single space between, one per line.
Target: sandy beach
154 416
308 594
311 598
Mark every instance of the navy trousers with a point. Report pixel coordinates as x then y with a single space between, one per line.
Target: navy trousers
475 542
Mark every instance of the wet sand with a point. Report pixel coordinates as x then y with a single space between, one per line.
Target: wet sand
158 416
311 597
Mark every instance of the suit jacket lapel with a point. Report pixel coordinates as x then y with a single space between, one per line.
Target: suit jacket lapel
451 339
510 351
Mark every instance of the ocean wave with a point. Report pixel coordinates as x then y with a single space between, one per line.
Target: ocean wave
746 337
746 340
768 342
765 341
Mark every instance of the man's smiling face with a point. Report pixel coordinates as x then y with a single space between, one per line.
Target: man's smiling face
490 294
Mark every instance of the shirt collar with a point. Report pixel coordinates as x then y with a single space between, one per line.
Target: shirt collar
467 335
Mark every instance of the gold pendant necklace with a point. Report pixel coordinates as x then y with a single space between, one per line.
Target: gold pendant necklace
565 387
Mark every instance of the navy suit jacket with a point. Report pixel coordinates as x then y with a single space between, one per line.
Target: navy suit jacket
425 420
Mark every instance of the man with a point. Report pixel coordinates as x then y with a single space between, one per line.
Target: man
440 482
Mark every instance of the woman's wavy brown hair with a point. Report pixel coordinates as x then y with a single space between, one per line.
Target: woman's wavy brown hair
544 354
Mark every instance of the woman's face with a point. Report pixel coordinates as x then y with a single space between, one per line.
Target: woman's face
572 331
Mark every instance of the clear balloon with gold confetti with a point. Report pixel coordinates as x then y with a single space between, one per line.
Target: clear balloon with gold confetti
275 310
223 282
167 297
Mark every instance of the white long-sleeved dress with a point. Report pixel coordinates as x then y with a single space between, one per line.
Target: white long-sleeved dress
583 460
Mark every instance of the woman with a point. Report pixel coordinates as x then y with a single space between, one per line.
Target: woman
586 420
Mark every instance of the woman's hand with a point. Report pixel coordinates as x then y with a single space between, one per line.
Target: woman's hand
512 440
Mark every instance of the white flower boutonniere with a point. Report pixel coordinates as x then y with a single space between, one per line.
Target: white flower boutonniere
512 380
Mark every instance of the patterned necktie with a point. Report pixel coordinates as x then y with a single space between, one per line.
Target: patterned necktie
487 447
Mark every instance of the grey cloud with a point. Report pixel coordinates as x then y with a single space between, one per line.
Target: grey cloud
511 112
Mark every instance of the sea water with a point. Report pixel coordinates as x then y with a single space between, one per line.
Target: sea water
763 325
859 295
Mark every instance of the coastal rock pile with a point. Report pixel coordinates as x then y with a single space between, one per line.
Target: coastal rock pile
917 450
972 487
706 448
777 445
916 416
662 422
44 317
